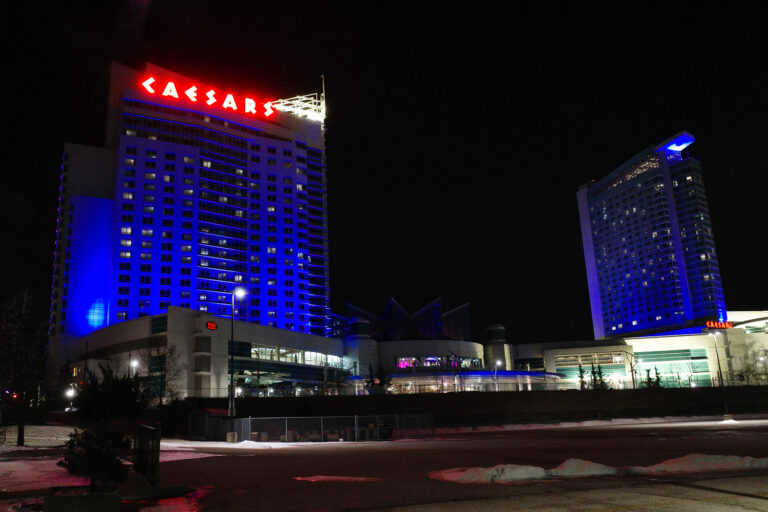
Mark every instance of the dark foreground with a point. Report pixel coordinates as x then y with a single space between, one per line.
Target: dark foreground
264 479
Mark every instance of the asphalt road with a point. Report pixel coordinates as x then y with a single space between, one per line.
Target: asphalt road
264 479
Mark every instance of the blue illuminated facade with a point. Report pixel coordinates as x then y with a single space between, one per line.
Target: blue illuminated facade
648 245
181 207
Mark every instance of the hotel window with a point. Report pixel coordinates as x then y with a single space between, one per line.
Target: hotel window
125 254
149 175
125 230
125 242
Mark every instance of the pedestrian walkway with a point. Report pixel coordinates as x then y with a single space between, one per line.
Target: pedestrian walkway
720 494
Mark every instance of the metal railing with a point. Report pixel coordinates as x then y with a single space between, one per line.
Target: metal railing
321 429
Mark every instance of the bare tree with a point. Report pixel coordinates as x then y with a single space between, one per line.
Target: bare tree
22 358
164 367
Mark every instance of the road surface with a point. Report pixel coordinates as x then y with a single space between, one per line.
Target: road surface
265 479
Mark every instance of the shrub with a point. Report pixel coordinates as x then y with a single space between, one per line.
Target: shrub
97 455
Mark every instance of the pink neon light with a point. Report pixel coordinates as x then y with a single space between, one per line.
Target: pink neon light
229 102
170 90
148 84
191 93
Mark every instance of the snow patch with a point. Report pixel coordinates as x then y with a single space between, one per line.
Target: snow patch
26 475
499 473
335 478
699 463
588 423
181 444
576 468
171 456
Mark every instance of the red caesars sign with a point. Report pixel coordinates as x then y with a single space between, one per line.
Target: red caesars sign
190 92
719 325
211 325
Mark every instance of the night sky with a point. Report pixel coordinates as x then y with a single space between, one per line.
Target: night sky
456 136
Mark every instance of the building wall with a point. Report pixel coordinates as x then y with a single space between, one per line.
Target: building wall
194 201
648 244
390 351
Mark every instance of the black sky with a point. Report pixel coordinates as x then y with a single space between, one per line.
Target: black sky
457 136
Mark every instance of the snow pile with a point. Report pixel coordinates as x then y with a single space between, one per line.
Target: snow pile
499 473
576 468
171 456
334 478
699 463
182 444
578 424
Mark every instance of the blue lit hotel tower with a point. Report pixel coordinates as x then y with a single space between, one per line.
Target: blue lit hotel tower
648 245
196 192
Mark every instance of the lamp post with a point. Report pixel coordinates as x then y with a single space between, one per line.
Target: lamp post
70 393
632 366
495 376
720 375
239 293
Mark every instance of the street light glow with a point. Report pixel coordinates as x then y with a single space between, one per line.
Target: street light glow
239 293
134 363
70 392
498 363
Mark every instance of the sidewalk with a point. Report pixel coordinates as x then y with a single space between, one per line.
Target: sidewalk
733 493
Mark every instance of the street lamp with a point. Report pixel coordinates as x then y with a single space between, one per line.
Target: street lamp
495 377
134 365
632 366
70 393
720 374
239 293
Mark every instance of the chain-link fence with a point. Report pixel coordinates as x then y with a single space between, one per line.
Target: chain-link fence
37 435
334 428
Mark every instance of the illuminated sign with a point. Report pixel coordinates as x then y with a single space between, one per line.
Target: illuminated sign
211 325
719 325
191 93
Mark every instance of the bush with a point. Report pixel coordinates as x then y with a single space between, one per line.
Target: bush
97 455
